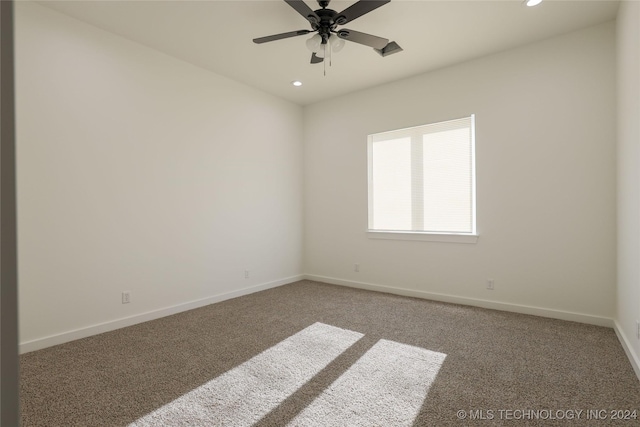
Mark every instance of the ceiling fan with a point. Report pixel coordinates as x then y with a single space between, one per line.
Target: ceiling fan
328 37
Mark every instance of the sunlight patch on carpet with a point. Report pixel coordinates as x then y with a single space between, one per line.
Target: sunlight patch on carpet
385 387
246 393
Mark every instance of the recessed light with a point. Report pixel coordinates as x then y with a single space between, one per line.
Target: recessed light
532 3
296 83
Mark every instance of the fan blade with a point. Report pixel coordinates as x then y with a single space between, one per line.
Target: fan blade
315 59
358 9
281 36
363 38
389 49
304 10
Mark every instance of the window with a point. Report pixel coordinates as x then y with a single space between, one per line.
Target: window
422 181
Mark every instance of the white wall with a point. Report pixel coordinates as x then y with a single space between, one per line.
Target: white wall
545 126
628 50
139 172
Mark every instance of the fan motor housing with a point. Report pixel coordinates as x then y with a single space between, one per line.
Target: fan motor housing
328 21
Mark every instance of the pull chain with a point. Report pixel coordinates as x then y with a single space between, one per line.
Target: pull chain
327 55
324 61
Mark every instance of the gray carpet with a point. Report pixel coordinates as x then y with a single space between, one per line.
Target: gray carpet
312 354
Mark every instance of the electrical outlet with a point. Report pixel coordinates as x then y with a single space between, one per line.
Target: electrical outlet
490 283
126 297
246 274
356 268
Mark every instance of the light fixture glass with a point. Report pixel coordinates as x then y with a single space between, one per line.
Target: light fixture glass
322 50
336 43
296 83
532 3
313 44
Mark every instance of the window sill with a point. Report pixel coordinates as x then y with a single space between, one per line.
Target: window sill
425 237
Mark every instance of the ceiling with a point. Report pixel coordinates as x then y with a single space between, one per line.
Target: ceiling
217 35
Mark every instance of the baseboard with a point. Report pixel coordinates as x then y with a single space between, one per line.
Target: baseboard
64 337
628 348
515 308
88 331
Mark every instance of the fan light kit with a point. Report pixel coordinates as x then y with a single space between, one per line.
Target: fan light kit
328 38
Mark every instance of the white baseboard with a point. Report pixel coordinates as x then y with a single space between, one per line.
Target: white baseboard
88 331
628 348
515 308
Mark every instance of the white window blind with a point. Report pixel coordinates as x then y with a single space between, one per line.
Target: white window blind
422 179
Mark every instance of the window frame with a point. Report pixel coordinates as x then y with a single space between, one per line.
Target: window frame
433 236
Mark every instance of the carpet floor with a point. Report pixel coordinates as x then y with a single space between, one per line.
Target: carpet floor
312 354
